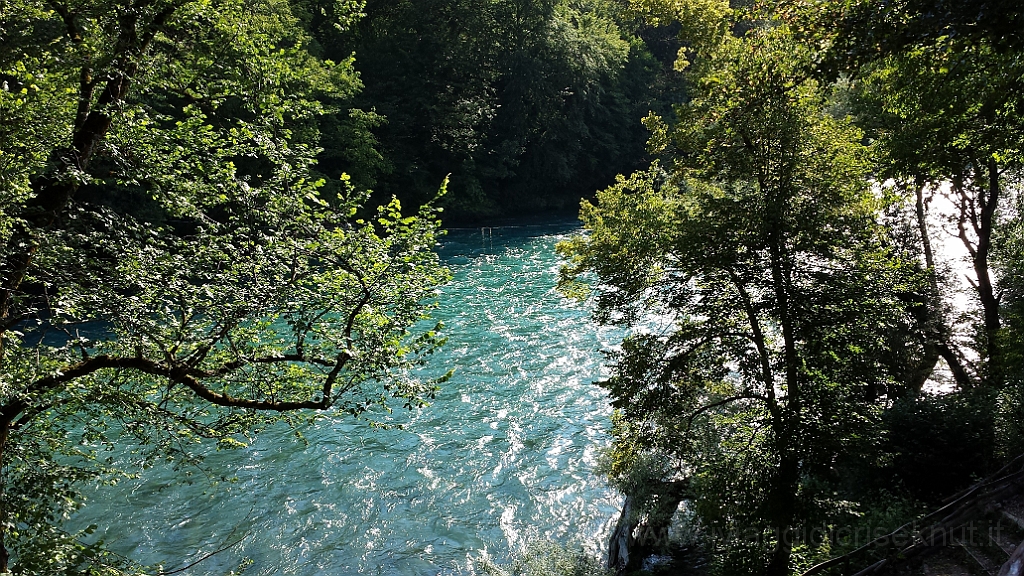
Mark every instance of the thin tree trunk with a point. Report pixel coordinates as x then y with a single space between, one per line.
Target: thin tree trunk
922 226
977 206
783 494
986 288
934 312
936 331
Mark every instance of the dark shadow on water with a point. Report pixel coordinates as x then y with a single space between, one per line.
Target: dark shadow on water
498 236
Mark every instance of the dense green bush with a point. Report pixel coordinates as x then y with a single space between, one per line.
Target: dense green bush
939 444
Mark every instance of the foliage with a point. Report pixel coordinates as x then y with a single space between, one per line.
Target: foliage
860 31
1009 266
878 513
945 112
937 444
783 307
758 253
173 269
787 310
703 23
528 105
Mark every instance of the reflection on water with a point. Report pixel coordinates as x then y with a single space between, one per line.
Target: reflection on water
504 455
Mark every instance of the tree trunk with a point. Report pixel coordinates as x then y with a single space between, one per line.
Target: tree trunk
977 206
926 243
622 536
782 495
933 321
782 507
986 288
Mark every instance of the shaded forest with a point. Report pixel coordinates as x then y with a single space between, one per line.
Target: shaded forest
529 106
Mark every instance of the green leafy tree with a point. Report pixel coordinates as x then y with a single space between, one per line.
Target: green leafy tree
861 31
171 267
945 113
758 252
529 105
1008 262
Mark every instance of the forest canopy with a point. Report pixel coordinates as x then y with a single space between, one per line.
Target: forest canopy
819 363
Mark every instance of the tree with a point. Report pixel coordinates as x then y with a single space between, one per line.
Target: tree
1008 262
945 114
863 31
759 251
529 105
172 269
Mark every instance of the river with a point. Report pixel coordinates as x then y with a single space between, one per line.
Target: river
504 456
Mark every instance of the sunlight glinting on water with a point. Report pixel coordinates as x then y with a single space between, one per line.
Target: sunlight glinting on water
505 455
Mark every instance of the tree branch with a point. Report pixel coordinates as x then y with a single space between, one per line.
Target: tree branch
68 19
180 375
759 341
723 402
238 363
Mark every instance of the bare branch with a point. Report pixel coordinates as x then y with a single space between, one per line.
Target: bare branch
206 557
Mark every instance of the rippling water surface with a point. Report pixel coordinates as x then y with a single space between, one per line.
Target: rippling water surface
503 456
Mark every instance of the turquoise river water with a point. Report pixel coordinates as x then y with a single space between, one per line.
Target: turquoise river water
504 456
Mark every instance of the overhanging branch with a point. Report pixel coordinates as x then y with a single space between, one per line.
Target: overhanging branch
191 378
